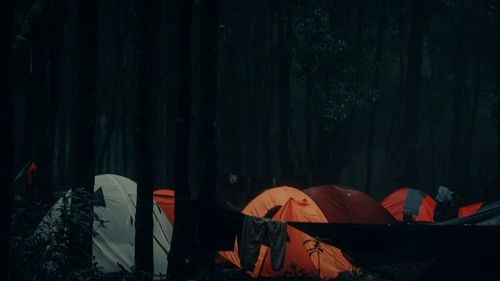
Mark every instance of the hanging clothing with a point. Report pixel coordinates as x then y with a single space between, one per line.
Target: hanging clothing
257 231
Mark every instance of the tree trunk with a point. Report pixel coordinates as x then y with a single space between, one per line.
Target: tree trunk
376 85
392 141
456 171
208 83
208 112
172 79
410 124
270 91
104 152
80 247
497 78
359 56
147 24
469 133
284 67
267 127
496 109
239 35
6 127
255 97
309 124
180 237
37 103
58 12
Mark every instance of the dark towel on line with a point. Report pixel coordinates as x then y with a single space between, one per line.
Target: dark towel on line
258 231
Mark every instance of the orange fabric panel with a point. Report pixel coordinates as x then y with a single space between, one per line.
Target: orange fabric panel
165 198
427 208
345 205
469 209
296 206
273 197
395 204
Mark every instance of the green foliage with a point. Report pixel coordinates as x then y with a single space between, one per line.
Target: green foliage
40 249
325 57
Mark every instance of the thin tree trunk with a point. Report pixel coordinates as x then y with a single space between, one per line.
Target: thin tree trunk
376 84
172 80
410 124
208 112
46 39
35 146
255 65
80 246
32 40
359 37
392 141
180 237
6 127
239 34
125 151
56 36
270 82
284 67
469 135
147 24
104 153
309 125
265 135
496 110
456 175
247 93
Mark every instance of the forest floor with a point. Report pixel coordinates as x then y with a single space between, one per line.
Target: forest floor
397 272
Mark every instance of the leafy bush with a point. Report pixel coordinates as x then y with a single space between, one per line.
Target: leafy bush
40 249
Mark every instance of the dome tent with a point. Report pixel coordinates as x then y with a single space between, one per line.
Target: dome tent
344 205
413 203
113 244
290 204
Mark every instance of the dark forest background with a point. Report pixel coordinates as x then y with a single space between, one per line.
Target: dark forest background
370 94
176 94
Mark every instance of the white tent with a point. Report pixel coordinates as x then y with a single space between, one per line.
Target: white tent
113 244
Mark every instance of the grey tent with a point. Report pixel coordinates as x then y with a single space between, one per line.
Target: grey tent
113 244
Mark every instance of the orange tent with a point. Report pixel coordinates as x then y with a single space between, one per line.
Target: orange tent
469 209
165 198
344 205
411 202
290 204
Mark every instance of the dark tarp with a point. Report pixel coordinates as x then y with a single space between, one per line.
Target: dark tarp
487 215
382 244
385 244
371 243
